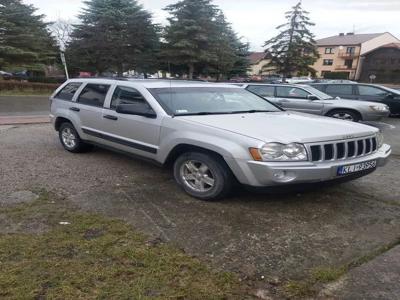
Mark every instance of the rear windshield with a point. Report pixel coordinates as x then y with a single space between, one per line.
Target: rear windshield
213 100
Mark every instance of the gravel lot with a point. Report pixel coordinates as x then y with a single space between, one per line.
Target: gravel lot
279 236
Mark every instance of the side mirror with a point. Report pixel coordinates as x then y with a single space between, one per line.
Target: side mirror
312 97
140 109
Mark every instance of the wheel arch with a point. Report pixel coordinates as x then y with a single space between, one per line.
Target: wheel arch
360 116
59 121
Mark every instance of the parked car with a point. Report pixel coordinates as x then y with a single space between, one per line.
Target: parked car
213 135
364 92
6 75
304 98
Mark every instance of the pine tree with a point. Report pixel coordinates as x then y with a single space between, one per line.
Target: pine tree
199 39
114 35
25 42
293 50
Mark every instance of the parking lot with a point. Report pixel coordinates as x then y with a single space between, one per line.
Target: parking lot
271 236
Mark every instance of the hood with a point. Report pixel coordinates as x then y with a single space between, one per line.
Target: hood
285 127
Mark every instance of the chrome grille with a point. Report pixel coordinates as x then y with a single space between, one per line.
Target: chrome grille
341 150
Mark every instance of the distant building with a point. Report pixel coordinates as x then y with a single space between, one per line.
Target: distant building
342 53
258 60
382 63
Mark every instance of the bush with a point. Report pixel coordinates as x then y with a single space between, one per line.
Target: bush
47 79
18 86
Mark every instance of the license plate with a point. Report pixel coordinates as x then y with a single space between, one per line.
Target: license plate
344 170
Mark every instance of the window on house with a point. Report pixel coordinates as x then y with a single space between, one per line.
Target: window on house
348 63
328 50
94 94
351 50
328 62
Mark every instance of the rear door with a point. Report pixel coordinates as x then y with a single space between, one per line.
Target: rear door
294 98
345 91
136 134
89 108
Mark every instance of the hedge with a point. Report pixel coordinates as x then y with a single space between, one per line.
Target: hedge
6 85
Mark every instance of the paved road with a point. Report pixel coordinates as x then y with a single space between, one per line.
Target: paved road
282 235
24 105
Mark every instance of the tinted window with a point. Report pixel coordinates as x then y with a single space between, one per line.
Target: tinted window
365 90
340 89
125 95
290 92
68 92
94 94
263 91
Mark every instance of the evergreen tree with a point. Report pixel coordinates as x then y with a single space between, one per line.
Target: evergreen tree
200 39
114 35
293 50
25 42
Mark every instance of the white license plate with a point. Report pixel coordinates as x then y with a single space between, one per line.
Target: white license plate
344 170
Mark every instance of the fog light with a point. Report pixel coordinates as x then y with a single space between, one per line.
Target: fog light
284 176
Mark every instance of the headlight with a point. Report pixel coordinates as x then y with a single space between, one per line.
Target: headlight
280 152
379 139
379 107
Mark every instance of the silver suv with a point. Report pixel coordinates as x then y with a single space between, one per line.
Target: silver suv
304 98
213 135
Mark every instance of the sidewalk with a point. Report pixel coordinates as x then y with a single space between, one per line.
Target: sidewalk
13 120
377 279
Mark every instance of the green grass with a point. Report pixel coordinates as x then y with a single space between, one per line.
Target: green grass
25 93
97 258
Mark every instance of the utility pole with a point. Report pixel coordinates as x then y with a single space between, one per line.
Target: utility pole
64 62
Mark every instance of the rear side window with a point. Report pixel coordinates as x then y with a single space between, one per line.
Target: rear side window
291 92
263 91
68 92
126 95
94 94
339 89
365 90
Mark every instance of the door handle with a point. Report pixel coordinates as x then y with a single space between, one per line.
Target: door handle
114 118
74 109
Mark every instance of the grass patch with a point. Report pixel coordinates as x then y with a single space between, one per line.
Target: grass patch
98 258
327 274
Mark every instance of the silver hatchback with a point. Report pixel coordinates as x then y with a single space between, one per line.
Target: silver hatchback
304 98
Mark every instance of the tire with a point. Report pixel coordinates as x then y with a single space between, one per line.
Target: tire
344 114
71 140
203 176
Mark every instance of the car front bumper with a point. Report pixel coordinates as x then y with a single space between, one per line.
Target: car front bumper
375 116
263 174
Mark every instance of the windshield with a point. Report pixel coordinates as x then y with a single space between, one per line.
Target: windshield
319 94
397 92
210 100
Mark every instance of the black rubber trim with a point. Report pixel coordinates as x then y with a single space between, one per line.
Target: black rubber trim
120 141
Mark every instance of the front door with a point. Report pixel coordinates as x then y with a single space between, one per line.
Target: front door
136 134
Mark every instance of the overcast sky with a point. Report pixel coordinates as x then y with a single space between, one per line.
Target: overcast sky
255 20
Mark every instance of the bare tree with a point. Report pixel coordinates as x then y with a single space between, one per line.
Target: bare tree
62 30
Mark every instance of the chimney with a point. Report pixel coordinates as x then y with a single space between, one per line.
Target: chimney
350 33
341 34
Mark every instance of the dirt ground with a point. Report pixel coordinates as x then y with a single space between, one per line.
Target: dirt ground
265 238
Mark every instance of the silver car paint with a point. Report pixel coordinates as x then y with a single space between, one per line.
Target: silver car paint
231 136
321 106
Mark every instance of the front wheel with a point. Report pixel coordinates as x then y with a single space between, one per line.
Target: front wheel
344 114
203 176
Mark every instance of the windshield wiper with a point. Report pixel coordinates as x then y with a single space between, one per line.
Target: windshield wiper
251 111
202 113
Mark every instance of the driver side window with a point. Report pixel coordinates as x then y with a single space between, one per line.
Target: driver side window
126 95
291 92
365 90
